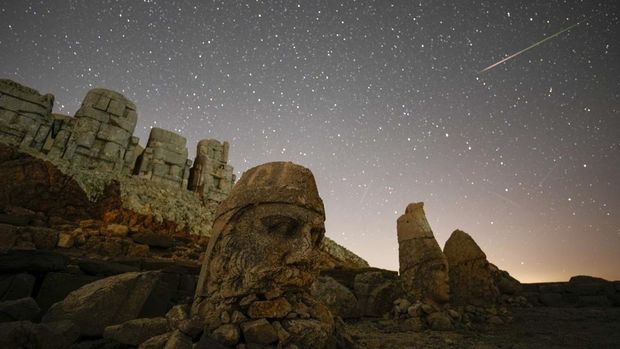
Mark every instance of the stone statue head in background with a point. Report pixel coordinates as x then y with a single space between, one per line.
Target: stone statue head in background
423 266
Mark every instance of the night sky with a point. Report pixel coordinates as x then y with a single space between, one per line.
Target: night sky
382 100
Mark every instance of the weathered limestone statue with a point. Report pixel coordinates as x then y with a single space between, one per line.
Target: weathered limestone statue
165 159
471 275
24 115
261 261
423 267
103 131
211 175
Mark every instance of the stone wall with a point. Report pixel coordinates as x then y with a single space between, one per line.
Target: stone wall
165 159
25 119
579 291
100 137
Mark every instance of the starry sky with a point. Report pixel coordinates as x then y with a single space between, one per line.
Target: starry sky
382 100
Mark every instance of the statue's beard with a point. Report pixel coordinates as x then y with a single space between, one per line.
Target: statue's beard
242 271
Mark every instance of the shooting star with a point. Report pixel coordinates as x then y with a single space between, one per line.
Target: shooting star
529 47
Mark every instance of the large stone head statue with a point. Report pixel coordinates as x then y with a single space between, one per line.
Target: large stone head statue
261 261
423 267
266 233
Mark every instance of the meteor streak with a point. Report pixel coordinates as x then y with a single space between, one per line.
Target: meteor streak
529 47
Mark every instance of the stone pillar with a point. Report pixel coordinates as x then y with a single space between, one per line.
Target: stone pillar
24 115
471 275
211 176
423 267
164 159
103 131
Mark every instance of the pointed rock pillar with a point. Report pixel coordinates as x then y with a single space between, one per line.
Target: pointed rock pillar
423 267
471 275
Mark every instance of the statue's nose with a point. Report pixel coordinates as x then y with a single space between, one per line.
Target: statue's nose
301 246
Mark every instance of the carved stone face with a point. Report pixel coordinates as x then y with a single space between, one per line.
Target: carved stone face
439 291
267 246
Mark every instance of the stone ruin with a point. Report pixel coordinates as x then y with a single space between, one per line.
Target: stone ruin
259 265
24 115
471 276
423 267
100 137
453 288
164 159
211 175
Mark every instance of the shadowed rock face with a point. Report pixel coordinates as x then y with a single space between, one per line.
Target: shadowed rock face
262 260
423 267
471 275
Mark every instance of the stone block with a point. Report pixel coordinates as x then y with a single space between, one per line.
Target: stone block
23 309
32 261
111 133
116 108
134 332
85 139
16 286
259 332
89 113
170 156
56 286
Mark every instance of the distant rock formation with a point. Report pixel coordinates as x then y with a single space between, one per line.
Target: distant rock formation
261 262
100 137
211 176
423 267
471 276
164 159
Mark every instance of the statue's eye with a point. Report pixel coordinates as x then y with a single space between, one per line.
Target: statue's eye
317 234
279 224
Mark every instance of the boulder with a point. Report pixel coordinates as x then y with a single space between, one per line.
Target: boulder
134 332
115 299
16 216
505 283
153 239
43 238
275 308
25 334
8 236
105 268
376 292
340 300
15 286
227 334
19 309
157 342
471 275
259 332
56 286
32 261
440 321
179 340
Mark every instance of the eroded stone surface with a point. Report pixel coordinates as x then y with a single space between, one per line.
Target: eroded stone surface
211 176
165 159
471 276
423 267
261 260
115 299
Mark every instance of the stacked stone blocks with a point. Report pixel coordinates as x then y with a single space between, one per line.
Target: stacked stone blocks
165 159
100 137
211 175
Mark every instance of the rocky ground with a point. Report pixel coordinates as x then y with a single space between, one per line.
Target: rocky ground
537 327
